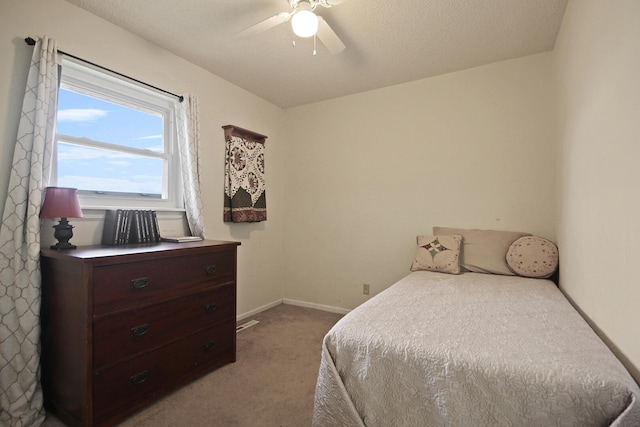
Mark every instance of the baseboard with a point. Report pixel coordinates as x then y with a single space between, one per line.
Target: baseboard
255 311
275 303
316 306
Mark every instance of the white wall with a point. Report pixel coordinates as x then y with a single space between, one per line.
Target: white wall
597 60
368 172
89 37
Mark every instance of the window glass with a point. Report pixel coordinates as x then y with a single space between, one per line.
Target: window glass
100 170
85 116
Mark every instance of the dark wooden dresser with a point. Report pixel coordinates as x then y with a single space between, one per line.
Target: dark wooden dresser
123 325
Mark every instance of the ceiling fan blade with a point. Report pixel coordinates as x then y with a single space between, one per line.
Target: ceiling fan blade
328 37
330 3
265 25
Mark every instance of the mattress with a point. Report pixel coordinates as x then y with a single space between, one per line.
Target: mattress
473 349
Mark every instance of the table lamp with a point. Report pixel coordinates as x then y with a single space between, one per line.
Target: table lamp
60 202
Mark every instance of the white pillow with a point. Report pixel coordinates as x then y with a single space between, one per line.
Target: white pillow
484 251
532 256
438 253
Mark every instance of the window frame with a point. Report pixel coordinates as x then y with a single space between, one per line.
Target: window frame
91 81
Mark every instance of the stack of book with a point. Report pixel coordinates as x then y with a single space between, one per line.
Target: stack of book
122 226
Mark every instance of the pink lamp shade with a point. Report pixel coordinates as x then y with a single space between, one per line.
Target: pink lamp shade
61 202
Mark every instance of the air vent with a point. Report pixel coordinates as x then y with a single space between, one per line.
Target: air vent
246 325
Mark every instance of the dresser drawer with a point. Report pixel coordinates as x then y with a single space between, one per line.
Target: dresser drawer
122 286
121 335
139 380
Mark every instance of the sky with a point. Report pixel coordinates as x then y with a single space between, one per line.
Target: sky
88 168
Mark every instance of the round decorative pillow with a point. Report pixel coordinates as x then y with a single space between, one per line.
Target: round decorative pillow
532 256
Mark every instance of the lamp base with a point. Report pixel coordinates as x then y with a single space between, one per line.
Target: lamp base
63 233
58 246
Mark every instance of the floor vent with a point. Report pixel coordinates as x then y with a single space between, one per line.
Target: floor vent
246 325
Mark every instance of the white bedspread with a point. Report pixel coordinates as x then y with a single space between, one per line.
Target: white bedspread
470 350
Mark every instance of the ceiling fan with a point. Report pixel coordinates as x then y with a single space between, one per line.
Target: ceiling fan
304 22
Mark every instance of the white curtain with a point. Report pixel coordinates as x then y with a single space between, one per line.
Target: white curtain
20 391
189 142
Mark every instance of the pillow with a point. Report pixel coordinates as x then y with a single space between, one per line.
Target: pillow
438 253
484 251
533 256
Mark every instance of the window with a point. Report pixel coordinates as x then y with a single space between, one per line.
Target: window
115 141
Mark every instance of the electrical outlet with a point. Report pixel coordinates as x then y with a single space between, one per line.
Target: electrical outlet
365 289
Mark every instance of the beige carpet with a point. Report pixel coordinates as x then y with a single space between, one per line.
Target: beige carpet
272 382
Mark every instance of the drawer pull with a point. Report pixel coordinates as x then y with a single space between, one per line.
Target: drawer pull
210 346
208 308
140 283
139 330
138 379
210 269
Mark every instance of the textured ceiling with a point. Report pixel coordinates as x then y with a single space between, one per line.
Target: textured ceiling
387 42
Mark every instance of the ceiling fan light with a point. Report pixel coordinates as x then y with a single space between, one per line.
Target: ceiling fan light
304 23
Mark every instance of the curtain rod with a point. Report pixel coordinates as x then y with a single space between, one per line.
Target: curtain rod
32 42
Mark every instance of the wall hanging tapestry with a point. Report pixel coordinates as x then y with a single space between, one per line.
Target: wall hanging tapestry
244 183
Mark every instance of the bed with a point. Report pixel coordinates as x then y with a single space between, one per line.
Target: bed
470 349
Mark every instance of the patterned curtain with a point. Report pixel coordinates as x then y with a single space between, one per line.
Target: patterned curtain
20 391
244 182
188 143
